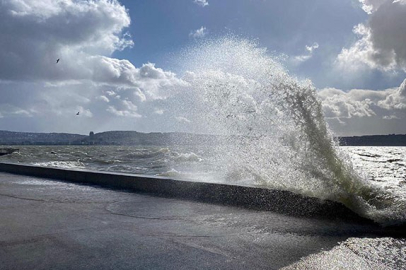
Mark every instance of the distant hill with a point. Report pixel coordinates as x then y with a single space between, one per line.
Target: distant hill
103 138
157 138
374 140
138 138
26 138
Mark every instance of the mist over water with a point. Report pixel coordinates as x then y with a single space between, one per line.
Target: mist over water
273 128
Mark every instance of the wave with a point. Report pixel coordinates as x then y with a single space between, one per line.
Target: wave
171 173
186 157
358 253
273 129
61 164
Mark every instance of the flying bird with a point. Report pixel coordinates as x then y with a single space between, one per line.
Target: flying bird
78 113
57 61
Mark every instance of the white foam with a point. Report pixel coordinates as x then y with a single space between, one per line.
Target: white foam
274 129
358 254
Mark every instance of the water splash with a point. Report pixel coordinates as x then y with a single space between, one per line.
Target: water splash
273 128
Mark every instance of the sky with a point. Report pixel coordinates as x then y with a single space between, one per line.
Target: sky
123 65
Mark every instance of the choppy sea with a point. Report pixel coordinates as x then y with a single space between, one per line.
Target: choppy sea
192 163
384 166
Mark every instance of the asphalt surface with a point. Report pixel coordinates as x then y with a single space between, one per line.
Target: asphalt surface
49 224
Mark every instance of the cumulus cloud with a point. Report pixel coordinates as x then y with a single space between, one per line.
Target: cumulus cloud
159 111
103 98
346 110
370 6
81 34
309 53
182 119
199 33
7 110
381 41
128 109
201 3
149 80
156 83
396 99
34 34
138 93
40 94
83 112
340 104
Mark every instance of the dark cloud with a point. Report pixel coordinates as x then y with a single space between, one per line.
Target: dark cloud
388 35
382 40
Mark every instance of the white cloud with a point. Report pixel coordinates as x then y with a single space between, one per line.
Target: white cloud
8 110
82 35
87 79
339 104
138 93
396 99
103 98
199 33
159 111
127 109
201 3
370 6
155 83
122 113
110 93
182 119
381 41
84 112
296 60
311 48
354 109
34 34
389 117
360 55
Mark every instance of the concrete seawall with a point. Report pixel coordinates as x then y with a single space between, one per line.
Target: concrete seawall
248 197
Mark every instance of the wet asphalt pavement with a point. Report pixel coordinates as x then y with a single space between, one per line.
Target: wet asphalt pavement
49 224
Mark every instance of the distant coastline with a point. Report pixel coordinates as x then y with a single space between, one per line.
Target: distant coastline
374 140
158 138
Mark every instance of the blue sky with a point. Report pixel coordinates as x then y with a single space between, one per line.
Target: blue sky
125 64
161 28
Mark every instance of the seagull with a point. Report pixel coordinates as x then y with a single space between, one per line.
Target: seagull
57 61
78 113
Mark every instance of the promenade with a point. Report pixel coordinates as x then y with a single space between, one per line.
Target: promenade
51 224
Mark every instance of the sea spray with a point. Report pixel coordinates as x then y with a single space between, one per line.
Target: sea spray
272 128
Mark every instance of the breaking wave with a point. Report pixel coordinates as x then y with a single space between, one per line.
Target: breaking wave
273 129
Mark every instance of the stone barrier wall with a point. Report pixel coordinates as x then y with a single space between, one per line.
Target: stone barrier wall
248 197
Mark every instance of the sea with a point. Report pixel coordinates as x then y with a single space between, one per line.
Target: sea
381 165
